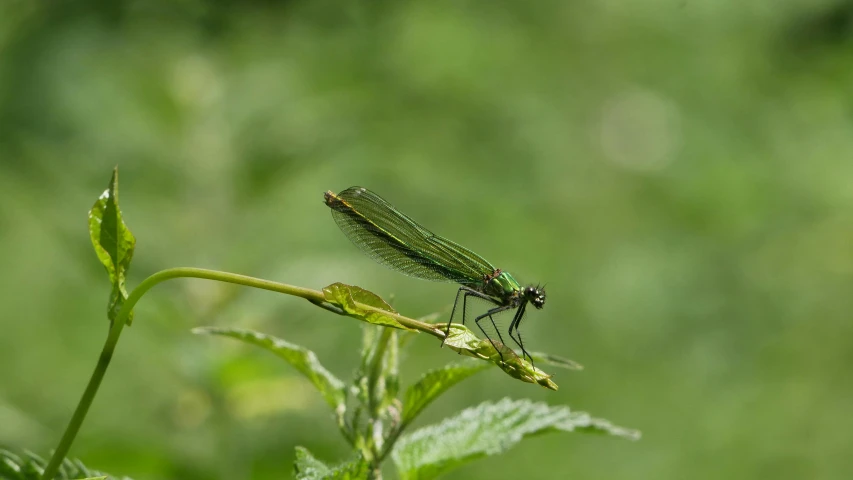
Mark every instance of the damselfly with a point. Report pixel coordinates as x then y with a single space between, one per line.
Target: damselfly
396 241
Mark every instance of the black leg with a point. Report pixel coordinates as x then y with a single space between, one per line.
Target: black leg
464 306
489 315
519 314
465 292
452 313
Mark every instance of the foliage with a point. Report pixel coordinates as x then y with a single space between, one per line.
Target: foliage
113 243
375 419
677 171
488 429
352 299
309 468
434 383
304 360
30 466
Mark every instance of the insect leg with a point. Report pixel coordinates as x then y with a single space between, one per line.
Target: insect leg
489 315
453 313
519 314
465 292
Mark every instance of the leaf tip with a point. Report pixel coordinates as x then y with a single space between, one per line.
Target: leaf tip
114 244
547 383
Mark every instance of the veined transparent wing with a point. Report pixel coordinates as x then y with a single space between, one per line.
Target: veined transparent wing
396 241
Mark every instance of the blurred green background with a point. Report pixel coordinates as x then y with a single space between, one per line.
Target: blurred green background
678 172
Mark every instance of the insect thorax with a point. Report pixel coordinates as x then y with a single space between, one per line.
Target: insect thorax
502 286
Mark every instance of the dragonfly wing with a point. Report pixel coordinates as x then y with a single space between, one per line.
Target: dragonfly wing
396 241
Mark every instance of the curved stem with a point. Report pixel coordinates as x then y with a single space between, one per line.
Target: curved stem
314 296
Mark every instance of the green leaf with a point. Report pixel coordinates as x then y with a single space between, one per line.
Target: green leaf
555 361
309 468
464 342
434 383
114 244
31 466
304 360
488 429
347 297
516 366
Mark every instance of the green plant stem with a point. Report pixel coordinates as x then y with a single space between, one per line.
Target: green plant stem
375 370
314 296
374 396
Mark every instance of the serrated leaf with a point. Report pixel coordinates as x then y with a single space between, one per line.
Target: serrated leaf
434 383
10 465
488 429
345 297
463 341
309 468
302 359
114 244
31 467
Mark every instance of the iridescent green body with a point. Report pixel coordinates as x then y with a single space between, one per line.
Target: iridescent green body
503 287
395 240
